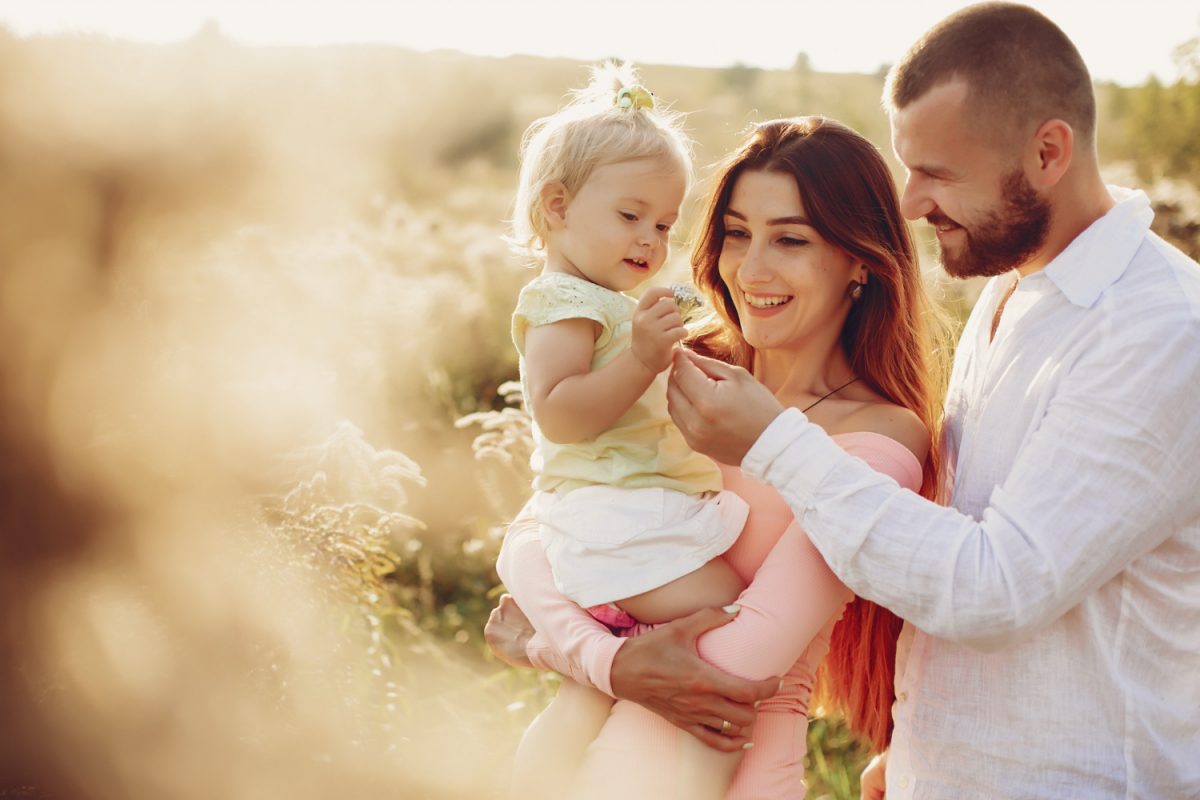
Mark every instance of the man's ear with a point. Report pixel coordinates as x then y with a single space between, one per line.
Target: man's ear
1049 153
555 199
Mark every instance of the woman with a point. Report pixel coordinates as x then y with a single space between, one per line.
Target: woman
810 268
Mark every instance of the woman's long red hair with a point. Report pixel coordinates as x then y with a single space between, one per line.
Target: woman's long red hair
893 338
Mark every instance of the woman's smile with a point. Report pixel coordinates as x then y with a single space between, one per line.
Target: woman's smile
763 305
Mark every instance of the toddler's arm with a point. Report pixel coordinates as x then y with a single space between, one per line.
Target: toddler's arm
571 402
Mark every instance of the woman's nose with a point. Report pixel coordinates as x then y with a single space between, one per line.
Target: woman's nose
755 267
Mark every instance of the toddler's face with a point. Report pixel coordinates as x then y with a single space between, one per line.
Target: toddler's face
616 227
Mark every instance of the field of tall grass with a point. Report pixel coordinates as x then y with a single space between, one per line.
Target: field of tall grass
255 313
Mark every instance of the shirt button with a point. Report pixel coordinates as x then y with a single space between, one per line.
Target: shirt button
903 781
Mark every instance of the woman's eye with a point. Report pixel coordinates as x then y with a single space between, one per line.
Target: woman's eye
736 234
791 241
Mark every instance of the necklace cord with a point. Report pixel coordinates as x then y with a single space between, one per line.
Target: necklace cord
828 394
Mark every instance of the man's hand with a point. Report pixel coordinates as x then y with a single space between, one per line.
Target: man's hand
657 326
872 779
721 409
508 632
661 671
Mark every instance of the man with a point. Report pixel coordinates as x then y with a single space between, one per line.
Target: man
1053 649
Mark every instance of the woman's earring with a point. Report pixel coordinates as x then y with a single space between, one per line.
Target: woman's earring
857 292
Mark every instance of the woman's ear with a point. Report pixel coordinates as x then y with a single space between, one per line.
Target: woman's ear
554 199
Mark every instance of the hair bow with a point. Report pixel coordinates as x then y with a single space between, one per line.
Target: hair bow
634 97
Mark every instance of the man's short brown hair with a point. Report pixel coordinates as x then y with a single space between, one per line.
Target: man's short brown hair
1019 67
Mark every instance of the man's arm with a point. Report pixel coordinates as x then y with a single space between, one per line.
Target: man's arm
1067 519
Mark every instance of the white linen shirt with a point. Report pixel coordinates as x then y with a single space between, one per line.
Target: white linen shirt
1057 599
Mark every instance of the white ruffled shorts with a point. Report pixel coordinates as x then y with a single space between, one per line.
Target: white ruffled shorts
606 544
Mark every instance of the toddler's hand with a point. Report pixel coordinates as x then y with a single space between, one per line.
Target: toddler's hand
657 326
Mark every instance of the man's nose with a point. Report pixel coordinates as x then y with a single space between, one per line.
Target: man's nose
915 201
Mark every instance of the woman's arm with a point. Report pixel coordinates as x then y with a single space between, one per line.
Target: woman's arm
794 593
659 670
792 597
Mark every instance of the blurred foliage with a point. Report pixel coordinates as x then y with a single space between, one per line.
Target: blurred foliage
409 603
1159 123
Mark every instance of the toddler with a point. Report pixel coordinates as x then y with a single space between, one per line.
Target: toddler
633 522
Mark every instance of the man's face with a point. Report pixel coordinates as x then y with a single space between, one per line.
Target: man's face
987 216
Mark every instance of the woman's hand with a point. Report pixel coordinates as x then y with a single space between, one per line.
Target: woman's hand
721 409
508 632
660 671
872 779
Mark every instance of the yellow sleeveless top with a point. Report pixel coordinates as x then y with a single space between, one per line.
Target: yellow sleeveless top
644 448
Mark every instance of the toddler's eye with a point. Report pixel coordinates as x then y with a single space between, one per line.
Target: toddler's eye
664 228
625 215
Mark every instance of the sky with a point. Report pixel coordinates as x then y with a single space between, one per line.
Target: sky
1120 40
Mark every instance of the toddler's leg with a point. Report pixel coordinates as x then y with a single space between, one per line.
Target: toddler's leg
704 773
554 743
635 757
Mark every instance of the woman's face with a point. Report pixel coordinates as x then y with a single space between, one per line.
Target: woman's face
788 284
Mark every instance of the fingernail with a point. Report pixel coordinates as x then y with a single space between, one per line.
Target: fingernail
757 703
780 685
747 745
732 608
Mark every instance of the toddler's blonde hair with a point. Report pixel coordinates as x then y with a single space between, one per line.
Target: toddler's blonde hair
591 131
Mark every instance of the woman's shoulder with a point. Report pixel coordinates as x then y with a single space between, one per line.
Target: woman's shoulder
896 422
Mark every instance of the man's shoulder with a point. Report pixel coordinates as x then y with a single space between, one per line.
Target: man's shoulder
1181 269
1161 286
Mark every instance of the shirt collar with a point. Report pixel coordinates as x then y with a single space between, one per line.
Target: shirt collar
1098 256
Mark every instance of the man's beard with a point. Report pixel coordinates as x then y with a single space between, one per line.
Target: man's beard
1007 238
